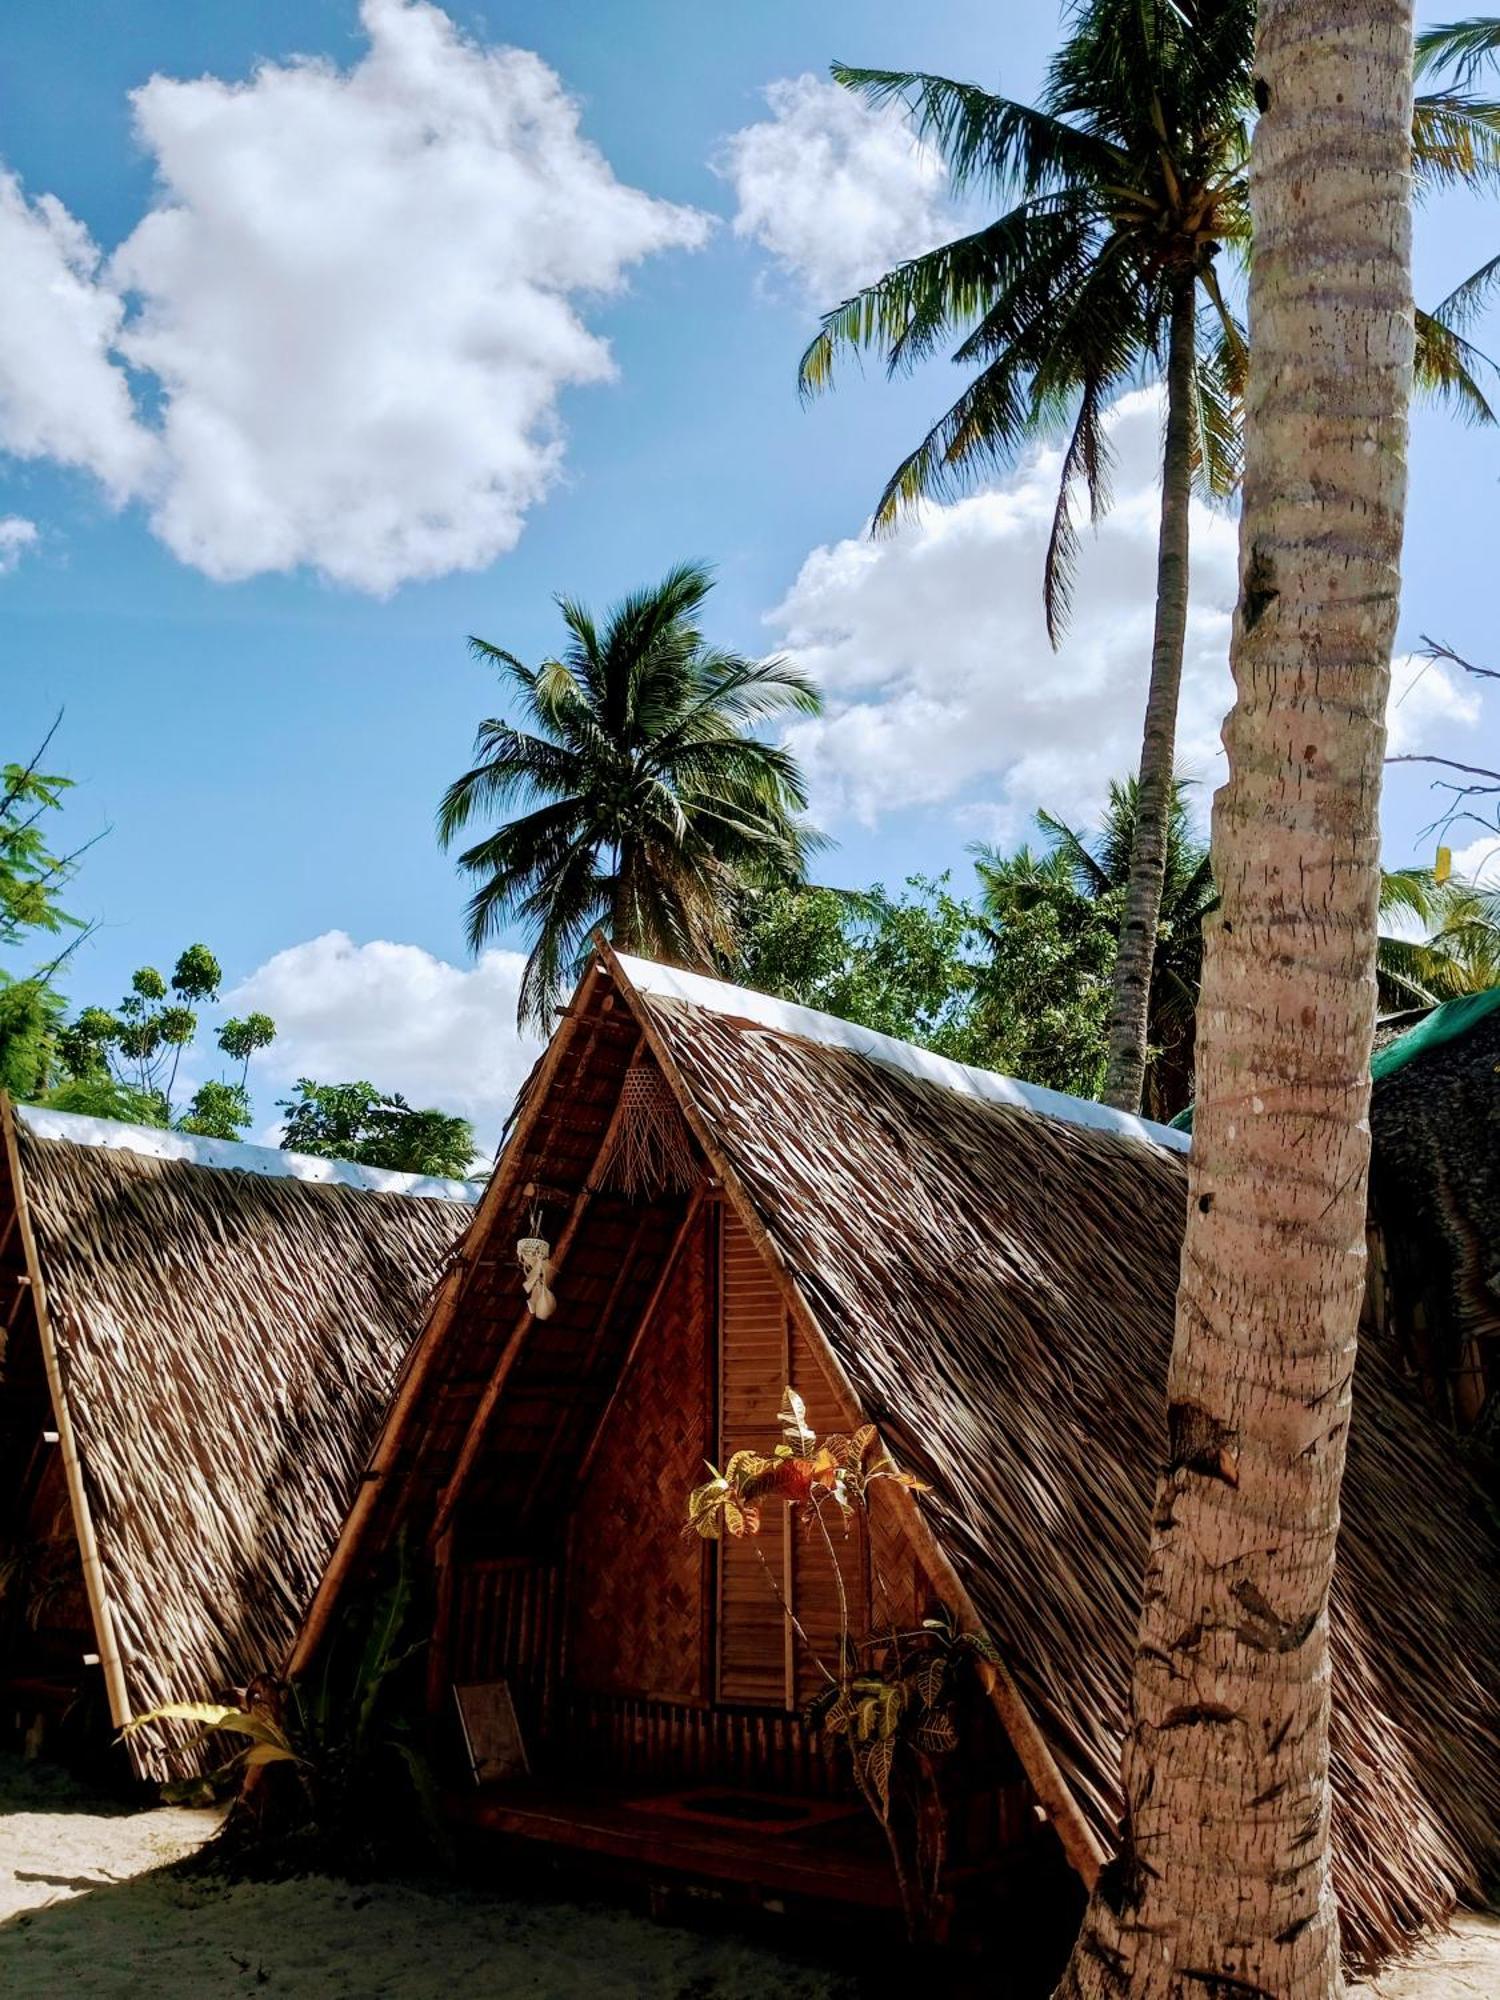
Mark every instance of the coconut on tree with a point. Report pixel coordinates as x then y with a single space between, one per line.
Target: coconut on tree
1123 193
647 801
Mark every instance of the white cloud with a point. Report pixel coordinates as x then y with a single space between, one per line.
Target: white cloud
62 395
1428 706
944 692
16 537
355 299
1479 861
835 191
398 1017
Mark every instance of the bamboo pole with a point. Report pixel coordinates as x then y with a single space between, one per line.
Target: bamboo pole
422 1355
479 1423
1079 1842
83 1520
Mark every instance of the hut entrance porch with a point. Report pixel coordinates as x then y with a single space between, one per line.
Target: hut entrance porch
658 1679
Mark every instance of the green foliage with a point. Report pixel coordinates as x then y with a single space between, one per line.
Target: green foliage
355 1121
33 874
103 1097
648 801
1125 182
217 1110
31 1013
345 1738
124 1064
902 965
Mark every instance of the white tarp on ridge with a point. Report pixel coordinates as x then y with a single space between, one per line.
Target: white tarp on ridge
786 1018
233 1155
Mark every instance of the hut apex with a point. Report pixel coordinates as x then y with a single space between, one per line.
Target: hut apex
967 1286
197 1339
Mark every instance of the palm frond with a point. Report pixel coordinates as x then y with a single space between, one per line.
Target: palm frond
1449 367
1461 47
984 140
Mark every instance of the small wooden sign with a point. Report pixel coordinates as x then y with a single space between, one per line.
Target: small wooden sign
492 1735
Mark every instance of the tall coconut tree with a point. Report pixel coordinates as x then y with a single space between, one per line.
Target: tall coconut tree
1120 189
1222 1883
1078 868
646 798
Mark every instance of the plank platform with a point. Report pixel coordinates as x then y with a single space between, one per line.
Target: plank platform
830 1860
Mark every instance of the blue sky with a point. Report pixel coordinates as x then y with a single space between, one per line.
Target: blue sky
267 748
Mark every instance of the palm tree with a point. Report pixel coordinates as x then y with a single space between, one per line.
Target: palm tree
649 801
1223 1879
1088 875
1121 188
1084 877
1460 952
1460 51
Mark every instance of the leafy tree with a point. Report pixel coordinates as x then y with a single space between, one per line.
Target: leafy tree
1083 883
649 802
124 1064
900 965
32 874
355 1121
1119 191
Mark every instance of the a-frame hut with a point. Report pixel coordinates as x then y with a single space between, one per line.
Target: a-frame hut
197 1340
737 1195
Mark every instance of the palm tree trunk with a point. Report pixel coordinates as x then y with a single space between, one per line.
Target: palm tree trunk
1222 1883
1131 997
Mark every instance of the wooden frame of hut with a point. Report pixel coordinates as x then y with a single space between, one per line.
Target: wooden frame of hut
737 1195
197 1339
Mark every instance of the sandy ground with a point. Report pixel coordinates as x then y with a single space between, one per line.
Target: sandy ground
88 1905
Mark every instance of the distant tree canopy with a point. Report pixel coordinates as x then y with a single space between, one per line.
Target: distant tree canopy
376 1128
124 1063
1017 977
34 873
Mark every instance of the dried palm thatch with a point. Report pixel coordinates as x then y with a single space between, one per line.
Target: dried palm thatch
225 1341
993 1269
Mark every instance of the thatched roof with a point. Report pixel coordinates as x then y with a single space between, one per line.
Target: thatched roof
1435 1193
226 1321
994 1270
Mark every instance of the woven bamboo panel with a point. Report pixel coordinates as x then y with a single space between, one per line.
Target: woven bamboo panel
637 1582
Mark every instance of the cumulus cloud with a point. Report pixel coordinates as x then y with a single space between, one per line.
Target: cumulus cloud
943 690
354 301
835 191
63 395
1479 861
395 1015
16 537
942 687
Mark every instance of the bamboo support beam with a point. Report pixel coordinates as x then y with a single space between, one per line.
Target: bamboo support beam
479 1423
83 1521
422 1357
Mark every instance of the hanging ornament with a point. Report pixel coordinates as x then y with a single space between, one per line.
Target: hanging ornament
652 1152
534 1255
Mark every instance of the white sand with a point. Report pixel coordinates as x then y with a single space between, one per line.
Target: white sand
86 1907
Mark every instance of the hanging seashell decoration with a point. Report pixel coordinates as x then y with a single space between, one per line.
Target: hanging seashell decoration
534 1254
